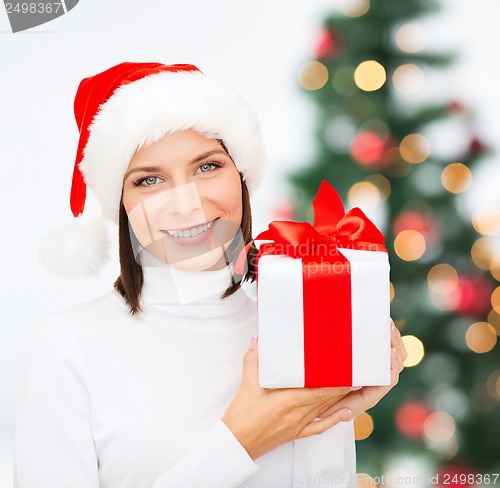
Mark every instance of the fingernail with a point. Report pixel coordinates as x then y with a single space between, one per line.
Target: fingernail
393 327
353 388
253 342
345 414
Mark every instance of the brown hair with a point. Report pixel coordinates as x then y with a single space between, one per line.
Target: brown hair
129 283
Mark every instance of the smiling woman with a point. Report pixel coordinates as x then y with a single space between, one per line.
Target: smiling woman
153 384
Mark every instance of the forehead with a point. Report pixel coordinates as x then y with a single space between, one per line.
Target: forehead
180 146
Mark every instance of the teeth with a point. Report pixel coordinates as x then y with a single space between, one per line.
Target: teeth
190 232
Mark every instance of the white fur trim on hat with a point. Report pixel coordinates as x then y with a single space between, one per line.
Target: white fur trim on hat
142 112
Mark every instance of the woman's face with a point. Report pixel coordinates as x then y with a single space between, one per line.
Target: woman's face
183 199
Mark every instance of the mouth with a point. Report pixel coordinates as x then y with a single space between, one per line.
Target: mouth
191 231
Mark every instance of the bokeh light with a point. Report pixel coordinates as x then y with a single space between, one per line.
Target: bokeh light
354 8
494 320
439 427
486 220
383 185
495 267
481 337
442 279
392 292
367 148
364 194
415 148
410 419
495 299
409 245
408 79
313 75
363 426
364 480
411 38
415 350
493 384
482 252
456 177
369 75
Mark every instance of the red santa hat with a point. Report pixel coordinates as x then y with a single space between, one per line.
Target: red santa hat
124 108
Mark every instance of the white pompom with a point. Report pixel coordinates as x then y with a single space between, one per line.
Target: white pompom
76 250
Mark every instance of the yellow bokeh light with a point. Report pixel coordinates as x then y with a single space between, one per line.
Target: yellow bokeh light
439 426
442 279
494 320
364 480
482 252
481 337
364 194
415 148
408 79
495 299
313 75
391 292
415 350
456 178
409 245
383 185
354 8
369 76
495 267
411 38
363 426
486 220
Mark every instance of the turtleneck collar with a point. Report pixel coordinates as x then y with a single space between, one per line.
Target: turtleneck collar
197 294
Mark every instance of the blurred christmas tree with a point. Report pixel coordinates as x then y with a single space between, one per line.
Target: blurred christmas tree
373 147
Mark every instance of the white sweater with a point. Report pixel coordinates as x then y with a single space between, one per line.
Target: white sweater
111 400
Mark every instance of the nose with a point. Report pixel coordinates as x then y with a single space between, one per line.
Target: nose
183 199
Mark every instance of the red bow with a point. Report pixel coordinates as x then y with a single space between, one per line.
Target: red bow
332 228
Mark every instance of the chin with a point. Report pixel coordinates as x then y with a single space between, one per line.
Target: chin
203 262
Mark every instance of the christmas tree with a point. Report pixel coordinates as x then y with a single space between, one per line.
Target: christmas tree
373 136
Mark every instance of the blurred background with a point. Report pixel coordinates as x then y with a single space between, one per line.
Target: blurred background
393 102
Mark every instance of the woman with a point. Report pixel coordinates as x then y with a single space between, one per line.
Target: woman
145 386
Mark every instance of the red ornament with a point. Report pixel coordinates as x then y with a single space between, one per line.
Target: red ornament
419 221
283 211
329 44
410 419
476 147
456 476
474 294
456 107
367 148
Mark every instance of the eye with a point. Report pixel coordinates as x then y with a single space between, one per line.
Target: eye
207 167
147 181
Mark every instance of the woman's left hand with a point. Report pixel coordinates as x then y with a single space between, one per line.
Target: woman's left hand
368 396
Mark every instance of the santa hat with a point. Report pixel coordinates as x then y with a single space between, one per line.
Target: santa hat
124 108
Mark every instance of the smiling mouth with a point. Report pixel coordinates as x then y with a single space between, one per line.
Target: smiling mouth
191 231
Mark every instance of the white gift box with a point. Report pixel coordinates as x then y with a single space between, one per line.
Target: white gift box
335 331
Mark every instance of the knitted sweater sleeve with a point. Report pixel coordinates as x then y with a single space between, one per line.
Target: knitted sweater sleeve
327 459
54 443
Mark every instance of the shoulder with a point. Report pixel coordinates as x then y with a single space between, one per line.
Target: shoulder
86 318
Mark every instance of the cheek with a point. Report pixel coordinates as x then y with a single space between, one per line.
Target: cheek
225 194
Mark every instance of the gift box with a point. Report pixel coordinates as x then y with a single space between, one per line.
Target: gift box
323 300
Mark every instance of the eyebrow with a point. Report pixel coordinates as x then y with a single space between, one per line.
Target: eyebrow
156 169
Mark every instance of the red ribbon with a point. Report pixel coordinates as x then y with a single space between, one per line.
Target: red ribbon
326 298
332 228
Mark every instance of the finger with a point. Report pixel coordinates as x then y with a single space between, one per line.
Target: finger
250 373
319 426
319 396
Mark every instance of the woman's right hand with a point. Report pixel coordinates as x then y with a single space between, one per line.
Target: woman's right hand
263 419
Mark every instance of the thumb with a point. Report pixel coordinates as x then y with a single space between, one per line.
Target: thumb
250 362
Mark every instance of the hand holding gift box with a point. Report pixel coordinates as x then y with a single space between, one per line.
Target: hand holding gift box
323 298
